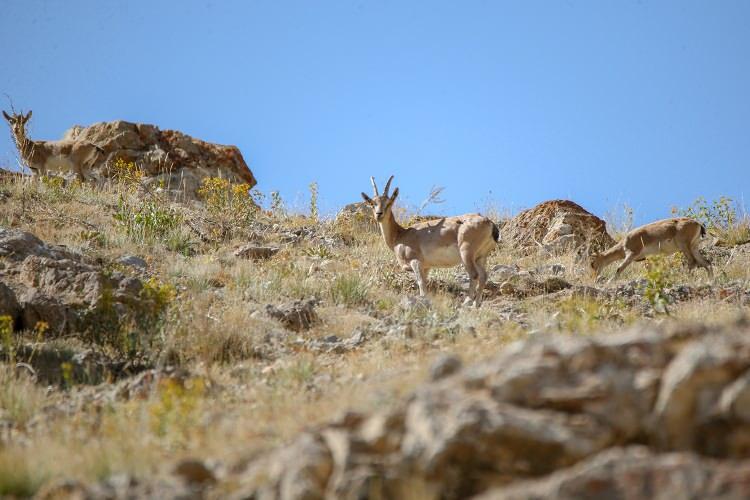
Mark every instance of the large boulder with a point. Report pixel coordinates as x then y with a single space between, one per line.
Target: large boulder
637 473
556 226
170 158
51 284
551 414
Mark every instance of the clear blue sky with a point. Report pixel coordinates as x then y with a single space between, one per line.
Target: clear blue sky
601 102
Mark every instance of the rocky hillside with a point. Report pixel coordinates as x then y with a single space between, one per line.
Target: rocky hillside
159 349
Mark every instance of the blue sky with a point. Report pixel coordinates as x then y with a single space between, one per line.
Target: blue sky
511 103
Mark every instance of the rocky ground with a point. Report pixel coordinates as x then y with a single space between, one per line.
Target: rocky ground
152 349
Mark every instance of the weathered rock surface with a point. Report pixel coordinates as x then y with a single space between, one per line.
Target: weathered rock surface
168 157
51 284
548 416
252 251
298 315
556 226
358 214
637 473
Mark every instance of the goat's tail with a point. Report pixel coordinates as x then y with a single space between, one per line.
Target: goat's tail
703 231
495 232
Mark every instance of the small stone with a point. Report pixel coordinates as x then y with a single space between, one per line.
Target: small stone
445 366
133 261
554 284
256 252
504 272
298 315
194 471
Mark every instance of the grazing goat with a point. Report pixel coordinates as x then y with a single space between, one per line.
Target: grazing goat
51 157
445 242
666 236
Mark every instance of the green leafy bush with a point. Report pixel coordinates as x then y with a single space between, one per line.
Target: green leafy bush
146 220
723 218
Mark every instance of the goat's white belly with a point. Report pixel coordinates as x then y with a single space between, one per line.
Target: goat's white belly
441 256
59 164
664 247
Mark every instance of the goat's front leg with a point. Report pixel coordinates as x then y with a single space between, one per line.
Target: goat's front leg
629 258
421 274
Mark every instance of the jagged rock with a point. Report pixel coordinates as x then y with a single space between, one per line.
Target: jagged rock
51 363
638 474
298 315
251 251
556 226
56 286
359 215
8 304
541 406
133 261
554 284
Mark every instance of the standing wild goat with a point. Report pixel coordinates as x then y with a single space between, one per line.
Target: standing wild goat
665 236
52 157
445 242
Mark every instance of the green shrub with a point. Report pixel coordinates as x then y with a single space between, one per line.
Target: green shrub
722 218
146 220
660 274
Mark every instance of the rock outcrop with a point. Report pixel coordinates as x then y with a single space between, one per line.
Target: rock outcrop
51 284
168 158
636 473
556 226
549 417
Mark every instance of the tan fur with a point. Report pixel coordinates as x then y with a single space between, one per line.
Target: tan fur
464 239
51 157
666 236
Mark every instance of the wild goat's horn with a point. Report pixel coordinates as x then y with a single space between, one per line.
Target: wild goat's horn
387 186
374 186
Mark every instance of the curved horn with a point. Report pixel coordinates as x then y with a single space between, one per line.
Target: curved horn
387 186
374 186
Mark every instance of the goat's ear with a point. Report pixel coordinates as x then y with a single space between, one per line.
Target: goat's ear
367 199
7 117
26 118
395 193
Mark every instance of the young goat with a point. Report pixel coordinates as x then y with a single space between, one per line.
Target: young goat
445 242
666 236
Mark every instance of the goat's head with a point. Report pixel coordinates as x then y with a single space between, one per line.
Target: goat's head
595 264
17 122
381 204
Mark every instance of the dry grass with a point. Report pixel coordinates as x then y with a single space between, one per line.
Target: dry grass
265 383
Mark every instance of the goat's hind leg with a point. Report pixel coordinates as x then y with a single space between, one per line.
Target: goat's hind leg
702 261
468 260
481 267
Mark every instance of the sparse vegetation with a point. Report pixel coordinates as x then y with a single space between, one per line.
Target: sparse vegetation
250 382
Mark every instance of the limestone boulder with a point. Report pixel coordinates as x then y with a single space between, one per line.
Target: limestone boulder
53 285
557 226
169 158
636 473
613 416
